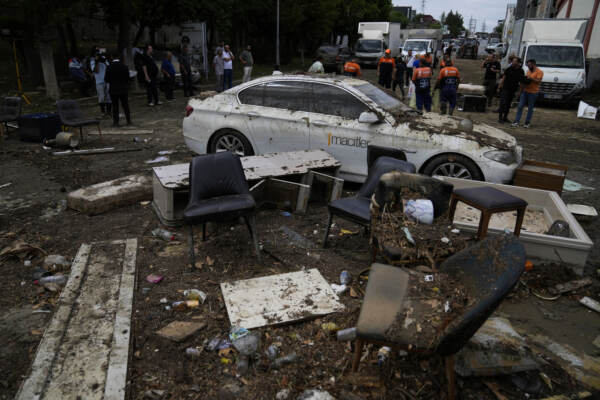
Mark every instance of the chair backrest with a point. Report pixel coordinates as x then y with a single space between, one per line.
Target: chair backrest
214 175
68 111
489 270
380 167
12 107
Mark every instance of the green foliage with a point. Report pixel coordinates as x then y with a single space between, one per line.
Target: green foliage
397 16
455 23
499 28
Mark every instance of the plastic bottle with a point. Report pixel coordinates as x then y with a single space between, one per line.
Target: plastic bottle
163 234
346 334
58 279
382 355
281 361
193 352
345 277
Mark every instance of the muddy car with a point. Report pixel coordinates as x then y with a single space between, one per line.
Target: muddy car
344 116
334 57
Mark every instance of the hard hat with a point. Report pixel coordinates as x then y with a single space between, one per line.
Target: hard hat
388 51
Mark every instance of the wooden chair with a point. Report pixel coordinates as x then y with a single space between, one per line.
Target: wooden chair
489 200
488 270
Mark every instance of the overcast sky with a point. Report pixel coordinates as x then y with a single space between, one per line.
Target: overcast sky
489 10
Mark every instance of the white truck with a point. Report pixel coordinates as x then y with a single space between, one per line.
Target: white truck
420 41
557 47
374 39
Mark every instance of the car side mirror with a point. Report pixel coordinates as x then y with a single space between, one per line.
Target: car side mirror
368 117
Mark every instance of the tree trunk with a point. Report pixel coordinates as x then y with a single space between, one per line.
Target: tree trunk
72 37
50 80
139 34
64 51
124 30
33 64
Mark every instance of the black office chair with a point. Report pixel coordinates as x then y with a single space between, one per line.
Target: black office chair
219 192
70 115
356 208
11 110
488 270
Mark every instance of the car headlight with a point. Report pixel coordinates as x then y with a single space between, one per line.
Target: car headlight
580 84
502 156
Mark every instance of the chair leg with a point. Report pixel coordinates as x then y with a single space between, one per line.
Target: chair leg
520 217
251 222
449 362
329 221
358 347
204 231
191 244
453 203
484 222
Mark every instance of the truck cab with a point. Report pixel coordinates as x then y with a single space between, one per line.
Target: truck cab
563 65
418 46
370 50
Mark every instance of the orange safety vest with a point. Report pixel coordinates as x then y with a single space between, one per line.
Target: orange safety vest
352 68
386 65
422 78
449 77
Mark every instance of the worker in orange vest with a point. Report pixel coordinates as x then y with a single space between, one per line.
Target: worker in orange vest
386 68
351 68
448 81
422 80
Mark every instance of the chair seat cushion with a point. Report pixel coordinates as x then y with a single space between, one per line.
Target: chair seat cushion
219 208
82 122
489 197
354 208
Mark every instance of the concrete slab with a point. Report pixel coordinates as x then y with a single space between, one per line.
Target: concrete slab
178 331
84 351
278 299
109 195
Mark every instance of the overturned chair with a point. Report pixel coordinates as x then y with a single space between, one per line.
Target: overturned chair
392 316
219 193
357 208
70 115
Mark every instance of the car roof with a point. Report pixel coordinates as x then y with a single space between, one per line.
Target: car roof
339 80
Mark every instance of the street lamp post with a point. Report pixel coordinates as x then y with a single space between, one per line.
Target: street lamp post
277 37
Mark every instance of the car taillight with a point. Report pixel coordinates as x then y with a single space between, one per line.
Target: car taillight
188 110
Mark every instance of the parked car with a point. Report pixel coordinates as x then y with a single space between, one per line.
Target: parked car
344 116
497 48
334 57
469 48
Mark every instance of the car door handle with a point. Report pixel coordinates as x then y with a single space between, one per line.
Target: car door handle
319 123
253 115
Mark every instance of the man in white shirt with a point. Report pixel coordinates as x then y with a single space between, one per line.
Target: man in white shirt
317 66
409 67
227 68
98 65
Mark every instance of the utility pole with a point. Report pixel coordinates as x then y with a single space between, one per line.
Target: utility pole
423 6
483 27
277 37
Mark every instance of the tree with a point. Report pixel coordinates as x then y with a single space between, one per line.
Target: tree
397 16
455 23
499 28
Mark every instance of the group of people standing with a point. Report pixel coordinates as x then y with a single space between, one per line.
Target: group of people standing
223 65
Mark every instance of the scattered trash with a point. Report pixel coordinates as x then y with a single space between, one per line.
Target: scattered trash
21 250
283 394
546 380
165 152
144 203
446 306
345 277
242 365
288 359
590 303
559 228
330 327
286 214
272 352
582 212
158 160
420 210
5 185
408 235
312 394
528 265
27 263
38 273
571 285
339 289
184 305
344 335
586 111
213 344
428 278
57 279
63 139
238 332
195 294
56 262
137 139
178 331
572 186
247 345
455 230
193 352
164 300
154 394
92 151
382 355
163 234
297 238
152 278
344 232
445 240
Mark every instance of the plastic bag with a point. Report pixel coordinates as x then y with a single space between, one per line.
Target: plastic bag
411 90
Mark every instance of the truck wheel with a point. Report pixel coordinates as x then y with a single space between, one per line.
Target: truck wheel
453 165
230 140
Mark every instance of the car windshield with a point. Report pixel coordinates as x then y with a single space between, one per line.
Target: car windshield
368 46
380 97
556 56
328 50
415 46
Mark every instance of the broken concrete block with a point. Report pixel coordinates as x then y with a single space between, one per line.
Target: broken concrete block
180 330
109 195
496 348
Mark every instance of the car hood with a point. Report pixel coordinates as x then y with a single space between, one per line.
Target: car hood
445 129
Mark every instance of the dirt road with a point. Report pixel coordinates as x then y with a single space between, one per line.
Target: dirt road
30 210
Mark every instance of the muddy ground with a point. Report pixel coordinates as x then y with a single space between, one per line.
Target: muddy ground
30 210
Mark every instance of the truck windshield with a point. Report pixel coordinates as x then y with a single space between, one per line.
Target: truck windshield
415 46
380 97
556 56
368 46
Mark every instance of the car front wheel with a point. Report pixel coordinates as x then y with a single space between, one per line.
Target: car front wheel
233 141
453 165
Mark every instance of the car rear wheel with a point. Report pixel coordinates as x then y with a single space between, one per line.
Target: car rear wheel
453 165
233 141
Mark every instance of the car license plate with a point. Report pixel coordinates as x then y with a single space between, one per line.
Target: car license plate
553 96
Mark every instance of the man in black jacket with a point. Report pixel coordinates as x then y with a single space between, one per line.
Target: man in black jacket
117 76
510 83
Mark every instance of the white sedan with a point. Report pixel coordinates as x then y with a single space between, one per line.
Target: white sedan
344 116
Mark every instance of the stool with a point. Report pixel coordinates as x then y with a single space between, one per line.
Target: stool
489 201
